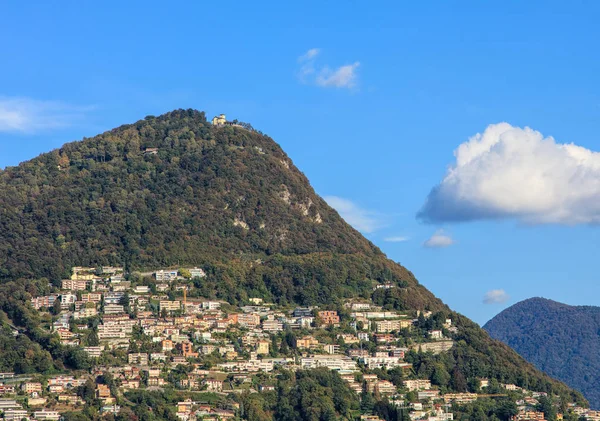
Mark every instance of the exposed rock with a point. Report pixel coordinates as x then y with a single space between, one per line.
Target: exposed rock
239 223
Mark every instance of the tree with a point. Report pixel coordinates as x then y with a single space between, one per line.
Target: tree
547 407
284 348
77 359
92 338
274 349
133 346
56 307
367 403
459 383
412 396
506 409
290 339
124 301
73 416
126 414
87 391
440 376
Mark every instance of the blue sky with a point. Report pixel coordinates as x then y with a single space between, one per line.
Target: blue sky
372 115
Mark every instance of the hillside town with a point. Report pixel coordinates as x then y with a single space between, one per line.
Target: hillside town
145 332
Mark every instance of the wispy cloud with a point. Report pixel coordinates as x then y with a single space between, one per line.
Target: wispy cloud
344 76
397 239
439 240
309 55
28 115
362 219
495 296
307 65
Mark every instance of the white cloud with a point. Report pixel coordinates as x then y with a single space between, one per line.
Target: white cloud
439 240
309 55
342 77
397 239
324 76
308 64
362 219
27 115
511 172
495 296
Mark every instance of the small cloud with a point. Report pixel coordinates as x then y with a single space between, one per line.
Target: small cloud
28 115
495 296
398 239
517 173
439 240
362 219
324 76
308 64
342 77
309 55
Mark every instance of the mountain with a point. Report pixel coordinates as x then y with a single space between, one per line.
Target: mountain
561 340
174 191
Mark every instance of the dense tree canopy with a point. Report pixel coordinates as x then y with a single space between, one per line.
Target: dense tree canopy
228 199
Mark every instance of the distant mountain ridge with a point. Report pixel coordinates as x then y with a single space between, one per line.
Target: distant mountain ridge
561 340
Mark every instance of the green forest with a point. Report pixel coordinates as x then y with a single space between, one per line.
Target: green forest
103 201
545 331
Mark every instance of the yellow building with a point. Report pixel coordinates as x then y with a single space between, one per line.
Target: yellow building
308 342
169 306
31 387
262 347
219 120
83 276
386 326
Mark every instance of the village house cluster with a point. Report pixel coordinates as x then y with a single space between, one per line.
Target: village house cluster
148 334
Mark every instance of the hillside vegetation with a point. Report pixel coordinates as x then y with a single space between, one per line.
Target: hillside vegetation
227 199
562 340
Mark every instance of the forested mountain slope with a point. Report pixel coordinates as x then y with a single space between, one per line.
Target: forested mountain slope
562 340
208 195
173 190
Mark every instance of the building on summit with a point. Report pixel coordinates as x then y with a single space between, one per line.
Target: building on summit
221 120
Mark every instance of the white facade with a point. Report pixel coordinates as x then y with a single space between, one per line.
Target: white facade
165 275
197 273
333 362
211 305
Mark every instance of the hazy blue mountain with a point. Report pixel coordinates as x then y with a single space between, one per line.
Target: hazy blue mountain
561 340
